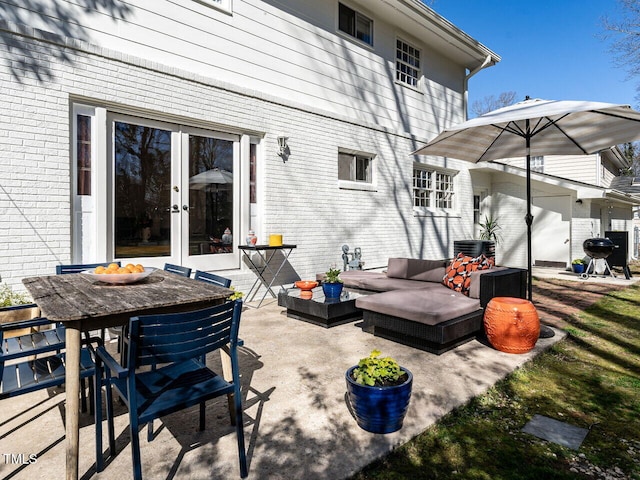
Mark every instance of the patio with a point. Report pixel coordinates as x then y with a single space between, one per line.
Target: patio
296 422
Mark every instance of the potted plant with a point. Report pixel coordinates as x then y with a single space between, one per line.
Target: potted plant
489 229
378 392
332 284
577 265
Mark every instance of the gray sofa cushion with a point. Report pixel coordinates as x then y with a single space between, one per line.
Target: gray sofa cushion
474 288
429 306
360 279
416 269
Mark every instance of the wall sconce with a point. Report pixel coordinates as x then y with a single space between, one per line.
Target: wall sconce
579 201
283 148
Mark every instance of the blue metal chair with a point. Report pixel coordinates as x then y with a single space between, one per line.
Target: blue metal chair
212 278
177 342
36 358
80 267
178 269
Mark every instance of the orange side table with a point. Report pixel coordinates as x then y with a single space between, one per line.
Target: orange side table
512 324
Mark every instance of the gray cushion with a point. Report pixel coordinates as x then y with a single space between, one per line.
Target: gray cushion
416 269
429 306
474 288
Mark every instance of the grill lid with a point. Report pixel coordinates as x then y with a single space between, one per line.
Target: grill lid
598 247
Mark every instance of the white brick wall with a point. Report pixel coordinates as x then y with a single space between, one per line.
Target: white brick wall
302 198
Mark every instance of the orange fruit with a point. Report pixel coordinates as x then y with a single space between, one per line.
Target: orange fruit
122 270
100 269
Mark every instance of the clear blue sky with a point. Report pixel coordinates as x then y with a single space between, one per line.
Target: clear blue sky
550 49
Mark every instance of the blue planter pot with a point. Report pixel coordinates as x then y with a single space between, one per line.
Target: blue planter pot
332 290
379 409
578 267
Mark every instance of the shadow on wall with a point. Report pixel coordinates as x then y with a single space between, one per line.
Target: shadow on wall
57 22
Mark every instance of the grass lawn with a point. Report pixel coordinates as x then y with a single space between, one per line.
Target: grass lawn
590 380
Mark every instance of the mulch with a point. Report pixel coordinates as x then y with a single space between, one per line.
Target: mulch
558 300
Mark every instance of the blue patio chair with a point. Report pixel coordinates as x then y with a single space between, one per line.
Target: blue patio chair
177 342
80 267
212 278
178 269
36 359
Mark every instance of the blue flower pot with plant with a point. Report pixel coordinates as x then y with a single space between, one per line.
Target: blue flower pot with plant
378 391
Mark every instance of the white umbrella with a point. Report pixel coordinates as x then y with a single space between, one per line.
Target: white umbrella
537 127
214 176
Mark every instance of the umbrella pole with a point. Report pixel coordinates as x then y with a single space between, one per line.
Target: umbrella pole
529 218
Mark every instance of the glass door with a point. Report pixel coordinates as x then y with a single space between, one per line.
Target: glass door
211 180
175 195
142 179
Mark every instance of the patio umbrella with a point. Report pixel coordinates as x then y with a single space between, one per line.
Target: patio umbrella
537 127
215 175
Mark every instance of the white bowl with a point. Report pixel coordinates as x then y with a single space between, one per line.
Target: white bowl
119 278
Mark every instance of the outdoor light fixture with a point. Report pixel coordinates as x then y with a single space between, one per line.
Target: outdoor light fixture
283 148
282 145
579 201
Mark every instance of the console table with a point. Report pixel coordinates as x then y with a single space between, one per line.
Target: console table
265 266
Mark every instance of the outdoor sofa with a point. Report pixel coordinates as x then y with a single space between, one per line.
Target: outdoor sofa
410 304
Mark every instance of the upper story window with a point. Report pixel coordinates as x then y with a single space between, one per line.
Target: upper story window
355 24
221 4
432 188
537 164
407 63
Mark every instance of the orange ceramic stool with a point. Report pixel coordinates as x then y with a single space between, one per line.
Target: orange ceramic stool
512 324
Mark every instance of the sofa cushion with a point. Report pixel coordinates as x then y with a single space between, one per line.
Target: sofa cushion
416 269
378 282
430 306
474 288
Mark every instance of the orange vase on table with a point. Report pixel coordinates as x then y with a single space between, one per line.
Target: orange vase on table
512 324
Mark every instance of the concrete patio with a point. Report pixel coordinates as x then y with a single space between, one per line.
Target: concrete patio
297 424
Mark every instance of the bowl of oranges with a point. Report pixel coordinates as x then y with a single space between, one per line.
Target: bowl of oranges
115 274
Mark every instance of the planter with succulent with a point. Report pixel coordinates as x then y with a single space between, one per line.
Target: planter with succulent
578 265
332 284
378 392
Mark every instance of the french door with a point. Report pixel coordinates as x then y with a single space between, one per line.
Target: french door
175 194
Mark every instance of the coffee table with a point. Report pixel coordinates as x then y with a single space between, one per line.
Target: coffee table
320 311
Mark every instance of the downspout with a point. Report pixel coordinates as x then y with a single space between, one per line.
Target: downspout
488 60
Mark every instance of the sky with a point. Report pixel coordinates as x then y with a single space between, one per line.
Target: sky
550 49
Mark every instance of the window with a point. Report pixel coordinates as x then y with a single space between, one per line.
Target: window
355 24
83 154
407 63
220 4
476 209
432 188
355 167
537 164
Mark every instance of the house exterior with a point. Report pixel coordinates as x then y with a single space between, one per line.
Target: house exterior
165 131
573 198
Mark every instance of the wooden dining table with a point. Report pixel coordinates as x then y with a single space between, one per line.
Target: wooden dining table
83 304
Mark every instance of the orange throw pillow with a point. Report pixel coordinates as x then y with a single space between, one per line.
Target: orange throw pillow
457 276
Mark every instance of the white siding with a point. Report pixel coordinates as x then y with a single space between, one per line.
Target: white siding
290 50
579 168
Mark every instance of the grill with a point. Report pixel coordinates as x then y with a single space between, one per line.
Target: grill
597 249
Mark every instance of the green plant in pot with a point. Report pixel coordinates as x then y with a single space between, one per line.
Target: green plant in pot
489 229
577 265
378 392
332 284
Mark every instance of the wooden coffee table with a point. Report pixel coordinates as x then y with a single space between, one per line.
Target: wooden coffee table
320 311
